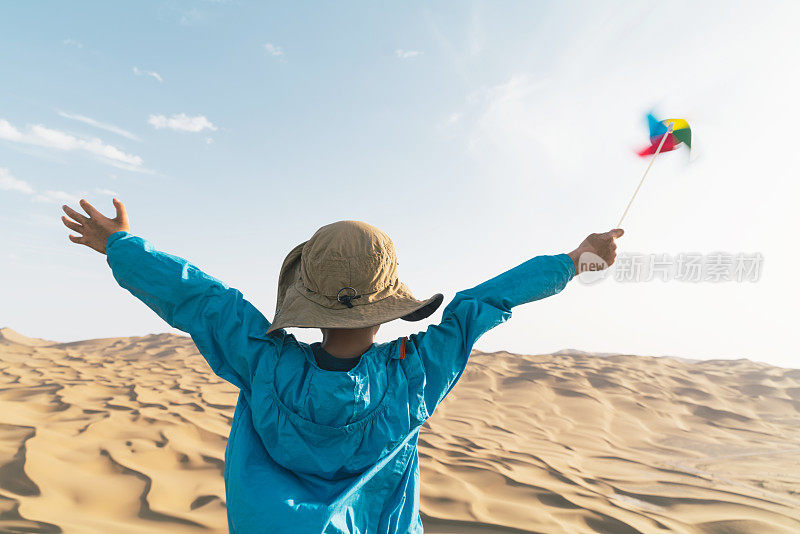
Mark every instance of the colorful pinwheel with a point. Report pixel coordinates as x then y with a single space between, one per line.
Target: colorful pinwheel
681 133
665 135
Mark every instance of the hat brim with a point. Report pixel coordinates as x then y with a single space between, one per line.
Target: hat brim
299 312
295 309
426 310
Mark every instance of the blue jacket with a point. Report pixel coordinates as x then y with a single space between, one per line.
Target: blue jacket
312 450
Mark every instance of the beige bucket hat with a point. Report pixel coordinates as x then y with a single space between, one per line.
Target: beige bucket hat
345 276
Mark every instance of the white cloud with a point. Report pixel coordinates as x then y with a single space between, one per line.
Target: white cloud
38 135
101 125
477 34
138 72
8 132
64 141
9 183
274 50
453 118
406 54
182 122
108 192
190 16
209 140
56 197
525 127
72 42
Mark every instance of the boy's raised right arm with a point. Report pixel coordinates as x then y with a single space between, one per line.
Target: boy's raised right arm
217 317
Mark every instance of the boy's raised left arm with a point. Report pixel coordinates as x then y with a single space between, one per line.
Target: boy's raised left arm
217 317
444 348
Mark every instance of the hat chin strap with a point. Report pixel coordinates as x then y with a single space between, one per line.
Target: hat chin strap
347 298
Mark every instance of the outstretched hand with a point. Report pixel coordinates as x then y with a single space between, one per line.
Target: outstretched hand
95 229
597 252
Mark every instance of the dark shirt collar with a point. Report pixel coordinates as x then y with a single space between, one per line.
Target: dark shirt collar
331 363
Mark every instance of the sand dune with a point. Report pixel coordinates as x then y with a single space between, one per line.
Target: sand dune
127 435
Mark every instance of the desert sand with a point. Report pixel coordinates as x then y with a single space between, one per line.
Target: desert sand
127 435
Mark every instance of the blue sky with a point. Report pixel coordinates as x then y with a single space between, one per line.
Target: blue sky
476 134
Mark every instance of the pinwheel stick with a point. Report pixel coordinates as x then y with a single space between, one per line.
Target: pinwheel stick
661 144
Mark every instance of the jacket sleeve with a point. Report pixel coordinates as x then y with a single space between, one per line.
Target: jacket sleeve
217 317
445 348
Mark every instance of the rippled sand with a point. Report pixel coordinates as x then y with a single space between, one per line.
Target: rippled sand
127 435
